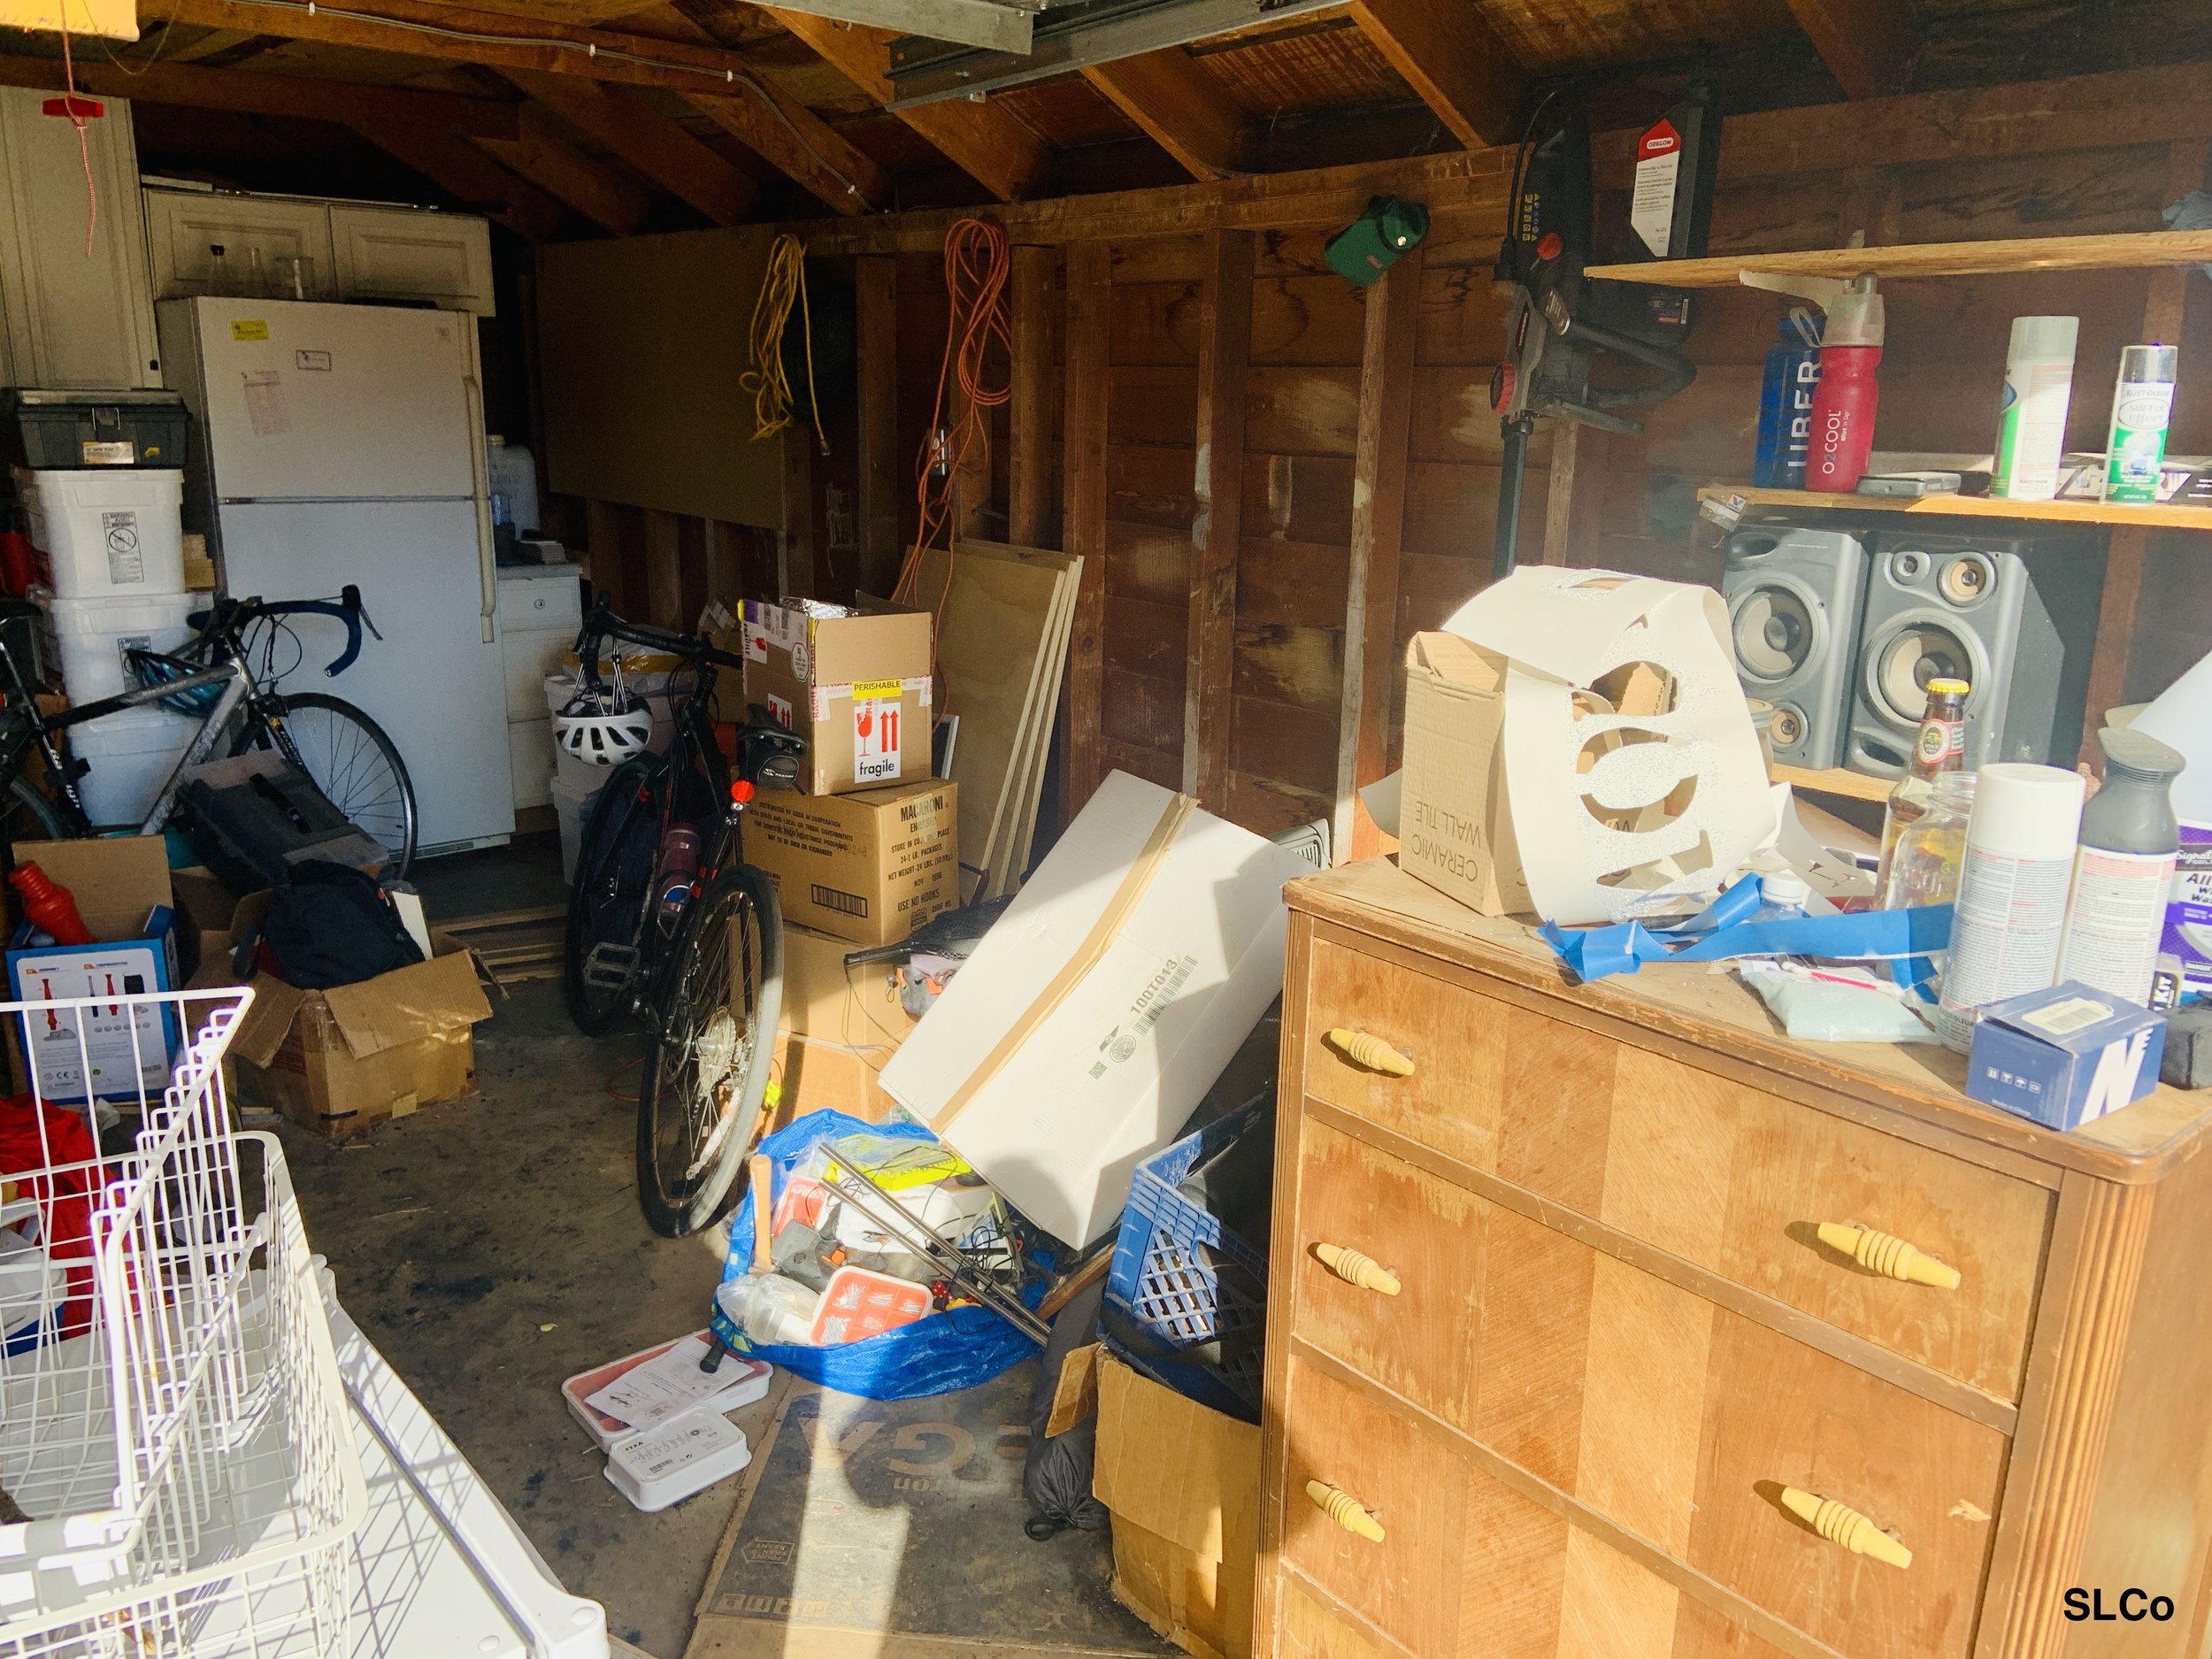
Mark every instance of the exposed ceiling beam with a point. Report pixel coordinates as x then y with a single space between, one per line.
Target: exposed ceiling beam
1179 105
467 174
600 193
722 84
1868 45
1454 59
655 145
987 142
193 87
461 35
781 130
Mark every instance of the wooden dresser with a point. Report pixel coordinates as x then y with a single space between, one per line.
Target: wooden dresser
1583 1356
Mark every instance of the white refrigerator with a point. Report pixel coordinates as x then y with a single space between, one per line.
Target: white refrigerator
345 444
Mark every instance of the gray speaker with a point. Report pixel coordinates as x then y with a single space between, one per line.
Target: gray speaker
2015 619
1794 597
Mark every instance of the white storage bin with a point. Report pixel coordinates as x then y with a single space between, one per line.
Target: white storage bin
109 532
572 806
90 636
131 754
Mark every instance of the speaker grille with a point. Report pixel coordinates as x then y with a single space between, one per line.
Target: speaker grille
1774 633
1904 663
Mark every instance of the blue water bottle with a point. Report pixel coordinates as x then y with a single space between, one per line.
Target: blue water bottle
1786 402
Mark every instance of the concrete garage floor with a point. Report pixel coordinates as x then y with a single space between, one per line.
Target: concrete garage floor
492 1246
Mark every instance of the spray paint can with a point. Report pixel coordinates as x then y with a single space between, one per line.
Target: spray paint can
2009 919
2130 841
2142 403
2032 424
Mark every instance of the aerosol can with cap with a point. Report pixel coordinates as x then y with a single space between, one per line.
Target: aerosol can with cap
1845 401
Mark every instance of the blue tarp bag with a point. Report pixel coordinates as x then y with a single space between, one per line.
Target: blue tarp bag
938 1354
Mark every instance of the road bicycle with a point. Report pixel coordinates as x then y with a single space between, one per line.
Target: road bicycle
344 751
669 925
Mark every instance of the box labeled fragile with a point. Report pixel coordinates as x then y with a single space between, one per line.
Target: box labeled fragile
2065 1056
867 868
857 686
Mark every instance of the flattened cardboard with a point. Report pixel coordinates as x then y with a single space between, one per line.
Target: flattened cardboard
1183 1483
425 999
1101 1007
868 868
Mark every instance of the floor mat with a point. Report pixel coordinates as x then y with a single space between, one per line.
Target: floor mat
874 1530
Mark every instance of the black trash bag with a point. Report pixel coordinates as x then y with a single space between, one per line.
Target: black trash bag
1056 1473
333 925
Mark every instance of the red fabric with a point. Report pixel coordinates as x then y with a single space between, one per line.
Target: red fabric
64 1199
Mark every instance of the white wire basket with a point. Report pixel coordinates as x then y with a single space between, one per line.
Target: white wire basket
174 1436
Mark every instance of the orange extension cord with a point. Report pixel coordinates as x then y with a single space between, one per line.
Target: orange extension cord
977 265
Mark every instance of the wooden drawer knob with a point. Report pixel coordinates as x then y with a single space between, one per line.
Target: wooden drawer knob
1841 1524
1372 1052
1356 1267
1342 1508
1886 1254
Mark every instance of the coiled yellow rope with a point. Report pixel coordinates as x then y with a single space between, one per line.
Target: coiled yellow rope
783 286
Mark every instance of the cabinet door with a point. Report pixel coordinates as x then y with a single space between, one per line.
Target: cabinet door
393 254
184 228
73 318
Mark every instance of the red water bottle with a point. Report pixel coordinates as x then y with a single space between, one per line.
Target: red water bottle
1844 402
51 910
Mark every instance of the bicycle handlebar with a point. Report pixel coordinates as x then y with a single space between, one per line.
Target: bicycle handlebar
600 624
346 609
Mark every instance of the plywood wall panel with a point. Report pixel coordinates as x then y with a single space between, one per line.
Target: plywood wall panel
1151 405
1296 583
1300 666
1147 561
1299 498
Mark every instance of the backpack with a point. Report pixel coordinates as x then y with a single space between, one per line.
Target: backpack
333 925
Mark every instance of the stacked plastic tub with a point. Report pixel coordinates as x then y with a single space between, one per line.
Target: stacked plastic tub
112 541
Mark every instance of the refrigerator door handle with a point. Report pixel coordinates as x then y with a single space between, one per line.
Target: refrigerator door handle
480 466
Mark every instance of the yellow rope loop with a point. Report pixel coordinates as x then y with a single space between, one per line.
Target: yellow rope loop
782 287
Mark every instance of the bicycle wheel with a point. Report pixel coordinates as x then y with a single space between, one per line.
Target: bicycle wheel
27 814
699 1099
603 950
351 762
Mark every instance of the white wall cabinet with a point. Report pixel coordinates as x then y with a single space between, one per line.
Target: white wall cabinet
391 254
69 317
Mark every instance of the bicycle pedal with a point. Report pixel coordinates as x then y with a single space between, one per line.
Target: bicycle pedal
609 966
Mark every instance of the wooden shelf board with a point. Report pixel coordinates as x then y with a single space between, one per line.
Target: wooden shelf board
1834 780
2125 251
2150 516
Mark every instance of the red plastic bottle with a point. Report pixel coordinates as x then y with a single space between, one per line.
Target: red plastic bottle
51 910
1844 403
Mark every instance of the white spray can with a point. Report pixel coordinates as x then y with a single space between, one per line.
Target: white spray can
2010 919
2031 426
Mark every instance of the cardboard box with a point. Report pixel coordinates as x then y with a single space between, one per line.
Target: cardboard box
2064 1056
813 1075
1454 831
867 868
858 689
353 1056
1183 1484
824 1002
1101 1007
120 885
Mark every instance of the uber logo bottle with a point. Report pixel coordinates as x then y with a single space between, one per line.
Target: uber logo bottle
2132 1605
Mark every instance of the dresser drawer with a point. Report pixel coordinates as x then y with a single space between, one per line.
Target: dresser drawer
1679 1420
1531 1586
1731 1177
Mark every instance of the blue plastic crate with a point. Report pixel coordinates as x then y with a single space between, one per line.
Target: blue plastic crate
1165 1283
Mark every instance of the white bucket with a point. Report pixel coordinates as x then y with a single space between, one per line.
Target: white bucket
90 636
131 754
108 532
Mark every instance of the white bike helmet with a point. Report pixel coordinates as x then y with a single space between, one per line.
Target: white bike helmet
604 729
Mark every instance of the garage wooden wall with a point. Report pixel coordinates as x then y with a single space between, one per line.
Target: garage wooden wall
1246 613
